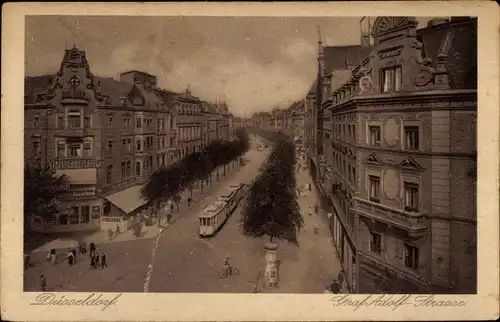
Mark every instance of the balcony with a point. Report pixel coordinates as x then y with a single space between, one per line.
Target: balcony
74 96
413 223
73 132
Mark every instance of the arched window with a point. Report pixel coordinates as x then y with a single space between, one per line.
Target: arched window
109 174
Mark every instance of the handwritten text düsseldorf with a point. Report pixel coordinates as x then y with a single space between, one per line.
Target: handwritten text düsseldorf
49 299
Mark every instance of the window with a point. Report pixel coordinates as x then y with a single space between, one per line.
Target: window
375 242
124 144
138 145
36 122
129 145
60 122
74 150
123 169
137 168
158 160
374 188
163 159
86 122
36 148
159 143
391 79
126 121
73 216
374 135
109 174
411 256
138 122
150 161
86 149
74 120
61 147
411 137
411 197
110 146
85 215
129 166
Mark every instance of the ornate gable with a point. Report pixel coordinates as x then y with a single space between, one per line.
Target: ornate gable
373 160
410 164
384 25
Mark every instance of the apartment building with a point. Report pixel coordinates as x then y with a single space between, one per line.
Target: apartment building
106 135
398 144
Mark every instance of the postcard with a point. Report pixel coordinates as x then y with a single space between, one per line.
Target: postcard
250 161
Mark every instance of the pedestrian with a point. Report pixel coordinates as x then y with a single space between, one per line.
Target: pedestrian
92 249
43 283
310 211
84 247
92 261
49 253
103 260
335 287
316 208
53 258
71 258
189 202
96 261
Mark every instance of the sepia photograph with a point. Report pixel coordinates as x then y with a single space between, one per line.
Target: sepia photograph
255 155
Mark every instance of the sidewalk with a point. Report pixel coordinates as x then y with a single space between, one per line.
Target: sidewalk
318 243
148 232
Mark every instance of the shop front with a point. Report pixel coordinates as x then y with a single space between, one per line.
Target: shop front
120 207
346 249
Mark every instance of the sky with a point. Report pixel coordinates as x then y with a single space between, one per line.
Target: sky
252 63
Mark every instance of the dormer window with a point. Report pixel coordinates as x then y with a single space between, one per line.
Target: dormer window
75 58
391 79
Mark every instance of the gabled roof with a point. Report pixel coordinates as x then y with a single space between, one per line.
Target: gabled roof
113 89
150 97
462 50
342 57
36 84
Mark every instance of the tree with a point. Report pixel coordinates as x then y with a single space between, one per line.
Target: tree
163 184
271 205
42 191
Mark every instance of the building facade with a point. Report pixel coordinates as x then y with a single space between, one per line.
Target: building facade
399 146
107 136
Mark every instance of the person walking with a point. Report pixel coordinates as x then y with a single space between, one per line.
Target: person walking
70 257
316 208
96 261
53 258
189 200
43 283
92 249
104 263
310 211
84 247
92 261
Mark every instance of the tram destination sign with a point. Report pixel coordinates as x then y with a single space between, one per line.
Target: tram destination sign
75 164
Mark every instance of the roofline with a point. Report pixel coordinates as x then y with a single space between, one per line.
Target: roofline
136 71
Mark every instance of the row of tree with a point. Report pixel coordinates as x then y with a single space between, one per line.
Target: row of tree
168 182
271 205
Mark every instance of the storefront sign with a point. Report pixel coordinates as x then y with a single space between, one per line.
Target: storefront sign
75 164
84 193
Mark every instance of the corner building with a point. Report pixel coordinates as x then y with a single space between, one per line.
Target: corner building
399 144
107 136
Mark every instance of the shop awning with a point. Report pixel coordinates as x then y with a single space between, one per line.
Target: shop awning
128 200
80 176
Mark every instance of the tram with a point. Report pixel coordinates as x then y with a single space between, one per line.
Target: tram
216 214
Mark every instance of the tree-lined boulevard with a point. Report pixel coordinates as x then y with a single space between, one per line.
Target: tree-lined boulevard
178 260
